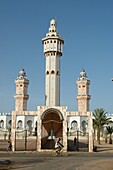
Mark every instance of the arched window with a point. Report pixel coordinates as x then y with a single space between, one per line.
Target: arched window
52 72
29 124
57 72
9 123
19 124
84 126
1 124
36 123
47 72
74 125
36 128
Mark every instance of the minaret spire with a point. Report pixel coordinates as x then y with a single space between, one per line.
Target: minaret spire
52 51
83 96
21 95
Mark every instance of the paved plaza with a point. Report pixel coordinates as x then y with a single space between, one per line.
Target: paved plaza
100 160
75 161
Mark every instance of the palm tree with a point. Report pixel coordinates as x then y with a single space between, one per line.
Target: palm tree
100 119
110 131
106 135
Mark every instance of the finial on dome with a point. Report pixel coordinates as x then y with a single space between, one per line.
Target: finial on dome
22 75
83 75
53 23
52 29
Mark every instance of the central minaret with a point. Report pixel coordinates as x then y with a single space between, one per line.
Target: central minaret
52 51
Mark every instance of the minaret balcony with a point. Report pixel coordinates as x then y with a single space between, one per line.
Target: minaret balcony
21 96
83 96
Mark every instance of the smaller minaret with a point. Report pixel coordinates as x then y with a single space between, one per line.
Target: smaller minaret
83 96
21 95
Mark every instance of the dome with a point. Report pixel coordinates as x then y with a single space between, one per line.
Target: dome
53 23
22 75
22 72
83 75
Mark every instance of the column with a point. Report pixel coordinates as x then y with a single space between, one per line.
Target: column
90 125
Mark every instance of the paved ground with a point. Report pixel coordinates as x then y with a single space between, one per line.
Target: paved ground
78 161
101 160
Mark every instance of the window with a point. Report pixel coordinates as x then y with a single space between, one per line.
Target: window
84 127
9 123
47 72
57 72
1 124
74 125
52 72
29 124
19 124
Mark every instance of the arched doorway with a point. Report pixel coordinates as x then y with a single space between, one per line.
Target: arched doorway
52 128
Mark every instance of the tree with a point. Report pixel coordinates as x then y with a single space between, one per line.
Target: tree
100 119
110 131
106 135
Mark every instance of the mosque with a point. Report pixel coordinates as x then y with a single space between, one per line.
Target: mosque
52 120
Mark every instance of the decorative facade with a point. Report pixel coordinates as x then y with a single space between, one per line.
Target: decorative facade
51 121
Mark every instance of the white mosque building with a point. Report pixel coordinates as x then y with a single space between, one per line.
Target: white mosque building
52 120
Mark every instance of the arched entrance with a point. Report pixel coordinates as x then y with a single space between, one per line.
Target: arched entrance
52 128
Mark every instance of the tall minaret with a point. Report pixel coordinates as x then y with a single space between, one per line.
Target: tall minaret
21 95
83 96
52 51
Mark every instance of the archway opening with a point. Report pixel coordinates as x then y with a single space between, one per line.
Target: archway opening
52 128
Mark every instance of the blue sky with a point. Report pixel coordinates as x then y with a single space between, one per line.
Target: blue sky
87 29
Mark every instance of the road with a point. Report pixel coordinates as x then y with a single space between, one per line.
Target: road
74 161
